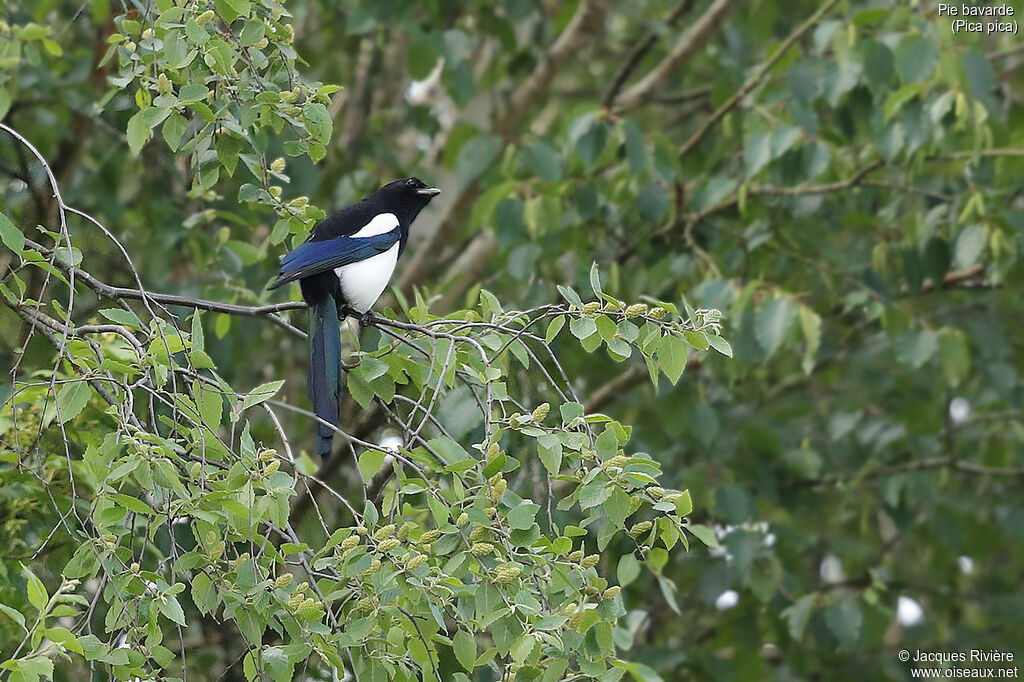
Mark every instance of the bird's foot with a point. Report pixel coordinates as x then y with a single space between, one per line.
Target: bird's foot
367 319
345 312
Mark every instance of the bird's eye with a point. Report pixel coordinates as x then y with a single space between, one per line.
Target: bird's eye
411 182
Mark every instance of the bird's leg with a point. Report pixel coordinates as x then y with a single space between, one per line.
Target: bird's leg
344 310
367 318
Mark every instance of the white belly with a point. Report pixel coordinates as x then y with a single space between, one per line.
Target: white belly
362 283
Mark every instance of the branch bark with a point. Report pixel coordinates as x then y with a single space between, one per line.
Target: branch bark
527 96
689 42
755 79
639 52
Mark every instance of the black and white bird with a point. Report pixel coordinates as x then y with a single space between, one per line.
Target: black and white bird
343 268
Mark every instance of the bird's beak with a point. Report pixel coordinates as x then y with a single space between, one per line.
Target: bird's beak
429 191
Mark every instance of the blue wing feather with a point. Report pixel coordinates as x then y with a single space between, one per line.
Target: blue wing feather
311 258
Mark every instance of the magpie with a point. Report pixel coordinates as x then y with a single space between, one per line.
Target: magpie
343 268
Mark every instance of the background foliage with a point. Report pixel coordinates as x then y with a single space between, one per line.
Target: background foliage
840 179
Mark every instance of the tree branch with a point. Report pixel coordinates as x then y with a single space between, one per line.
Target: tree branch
689 42
527 95
916 465
109 291
639 52
755 79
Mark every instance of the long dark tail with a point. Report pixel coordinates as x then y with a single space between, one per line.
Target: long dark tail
324 380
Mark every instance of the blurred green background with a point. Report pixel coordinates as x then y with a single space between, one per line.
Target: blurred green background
852 200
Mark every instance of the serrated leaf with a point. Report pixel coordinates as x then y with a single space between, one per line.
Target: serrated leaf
261 393
72 399
521 517
616 507
672 355
464 645
797 614
370 463
720 345
845 620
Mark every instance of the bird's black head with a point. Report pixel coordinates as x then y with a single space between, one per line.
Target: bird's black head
405 197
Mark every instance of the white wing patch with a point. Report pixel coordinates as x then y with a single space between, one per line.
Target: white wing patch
381 223
362 283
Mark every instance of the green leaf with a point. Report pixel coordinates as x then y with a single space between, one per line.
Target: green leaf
130 503
639 671
37 595
63 637
956 355
276 664
168 605
5 101
122 316
969 245
542 161
915 347
72 399
14 615
845 620
916 58
523 647
583 327
82 563
252 32
672 356
720 344
772 322
797 614
193 92
757 152
11 235
593 493
261 393
521 517
810 325
550 452
465 649
553 328
370 463
878 64
704 534
34 667
589 136
684 504
628 569
616 507
980 75
318 121
138 131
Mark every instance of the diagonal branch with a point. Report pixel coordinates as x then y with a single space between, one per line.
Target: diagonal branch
639 52
755 79
527 96
689 42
